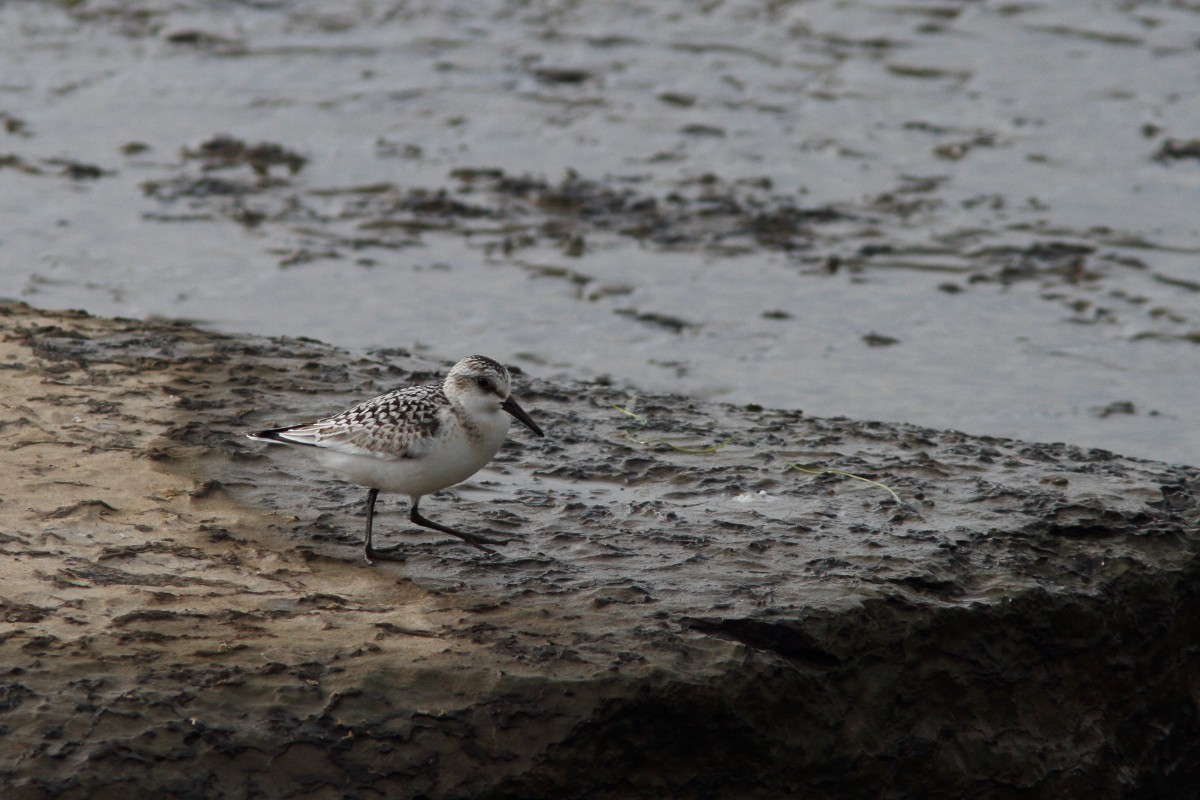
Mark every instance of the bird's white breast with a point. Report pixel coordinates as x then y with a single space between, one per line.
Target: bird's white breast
453 454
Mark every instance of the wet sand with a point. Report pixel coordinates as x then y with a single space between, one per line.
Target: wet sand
187 614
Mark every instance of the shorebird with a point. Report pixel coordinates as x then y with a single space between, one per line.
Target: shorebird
415 440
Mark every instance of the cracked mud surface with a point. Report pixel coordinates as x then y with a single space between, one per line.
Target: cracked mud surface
186 612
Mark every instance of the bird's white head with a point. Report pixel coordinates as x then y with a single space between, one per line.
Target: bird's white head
482 386
478 384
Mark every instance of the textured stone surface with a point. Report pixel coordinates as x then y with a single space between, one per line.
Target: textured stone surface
185 612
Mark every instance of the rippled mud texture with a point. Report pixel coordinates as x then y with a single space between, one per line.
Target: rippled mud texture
185 613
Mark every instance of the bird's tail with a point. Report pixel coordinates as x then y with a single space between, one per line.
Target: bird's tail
273 435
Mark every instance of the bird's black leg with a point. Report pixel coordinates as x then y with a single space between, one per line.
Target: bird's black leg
473 539
370 552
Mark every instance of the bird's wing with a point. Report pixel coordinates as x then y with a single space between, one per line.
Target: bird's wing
399 424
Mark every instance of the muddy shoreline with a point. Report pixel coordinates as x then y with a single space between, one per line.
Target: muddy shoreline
185 615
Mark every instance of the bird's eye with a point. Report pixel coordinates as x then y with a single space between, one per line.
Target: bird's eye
484 383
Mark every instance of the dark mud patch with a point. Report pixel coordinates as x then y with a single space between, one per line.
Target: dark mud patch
1022 623
509 212
1174 150
62 167
228 152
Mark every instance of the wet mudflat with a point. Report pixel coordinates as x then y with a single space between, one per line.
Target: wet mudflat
186 614
969 216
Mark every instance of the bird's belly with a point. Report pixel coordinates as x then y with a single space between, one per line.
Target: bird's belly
453 462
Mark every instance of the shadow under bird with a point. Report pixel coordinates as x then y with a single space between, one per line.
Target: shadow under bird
415 440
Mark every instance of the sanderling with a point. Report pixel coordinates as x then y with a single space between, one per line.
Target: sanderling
416 440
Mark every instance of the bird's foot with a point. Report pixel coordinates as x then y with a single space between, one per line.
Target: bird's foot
473 539
477 539
386 554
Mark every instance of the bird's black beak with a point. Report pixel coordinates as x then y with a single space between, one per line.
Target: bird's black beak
511 406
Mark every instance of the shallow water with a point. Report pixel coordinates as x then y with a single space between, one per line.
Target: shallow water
988 242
